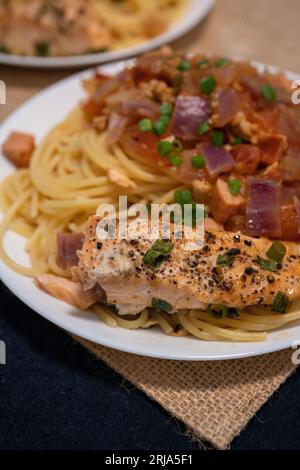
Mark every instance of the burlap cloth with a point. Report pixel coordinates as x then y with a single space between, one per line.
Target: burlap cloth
214 399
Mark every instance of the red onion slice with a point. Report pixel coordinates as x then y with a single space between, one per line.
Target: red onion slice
263 212
67 246
227 106
116 127
189 112
217 159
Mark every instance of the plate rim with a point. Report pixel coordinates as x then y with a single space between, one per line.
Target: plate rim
131 348
195 13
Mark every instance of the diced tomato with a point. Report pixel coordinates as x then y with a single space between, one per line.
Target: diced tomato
142 144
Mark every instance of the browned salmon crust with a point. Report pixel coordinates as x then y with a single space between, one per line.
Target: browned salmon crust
187 279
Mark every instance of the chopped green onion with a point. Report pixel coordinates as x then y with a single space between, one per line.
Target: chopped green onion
280 303
198 161
276 251
158 253
225 260
184 66
186 196
42 48
267 264
183 197
208 84
217 311
166 109
175 160
268 92
177 145
161 305
221 62
203 128
217 138
164 147
221 311
202 64
145 125
238 141
160 126
234 186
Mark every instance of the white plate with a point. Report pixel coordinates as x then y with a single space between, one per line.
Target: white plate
194 12
37 116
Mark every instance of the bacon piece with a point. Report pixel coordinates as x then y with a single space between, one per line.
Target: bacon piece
18 148
246 158
223 204
272 148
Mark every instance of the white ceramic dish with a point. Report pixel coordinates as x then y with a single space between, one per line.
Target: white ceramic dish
195 12
37 116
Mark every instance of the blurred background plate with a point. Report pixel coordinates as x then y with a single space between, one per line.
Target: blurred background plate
195 11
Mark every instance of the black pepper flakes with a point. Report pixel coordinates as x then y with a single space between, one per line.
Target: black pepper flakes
99 245
249 271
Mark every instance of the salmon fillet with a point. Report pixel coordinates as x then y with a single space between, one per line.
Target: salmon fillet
56 27
186 279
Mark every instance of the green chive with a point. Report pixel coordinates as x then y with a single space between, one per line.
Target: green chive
42 48
158 253
225 260
161 305
221 62
208 84
268 92
217 311
177 145
234 186
184 66
280 303
238 141
177 197
202 64
160 126
276 251
198 161
186 196
203 128
217 138
183 197
267 264
164 148
145 125
175 160
166 109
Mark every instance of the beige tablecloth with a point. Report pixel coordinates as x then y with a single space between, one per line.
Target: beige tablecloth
214 399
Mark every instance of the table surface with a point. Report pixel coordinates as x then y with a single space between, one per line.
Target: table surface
54 394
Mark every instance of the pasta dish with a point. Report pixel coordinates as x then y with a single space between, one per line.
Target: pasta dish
67 27
169 128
